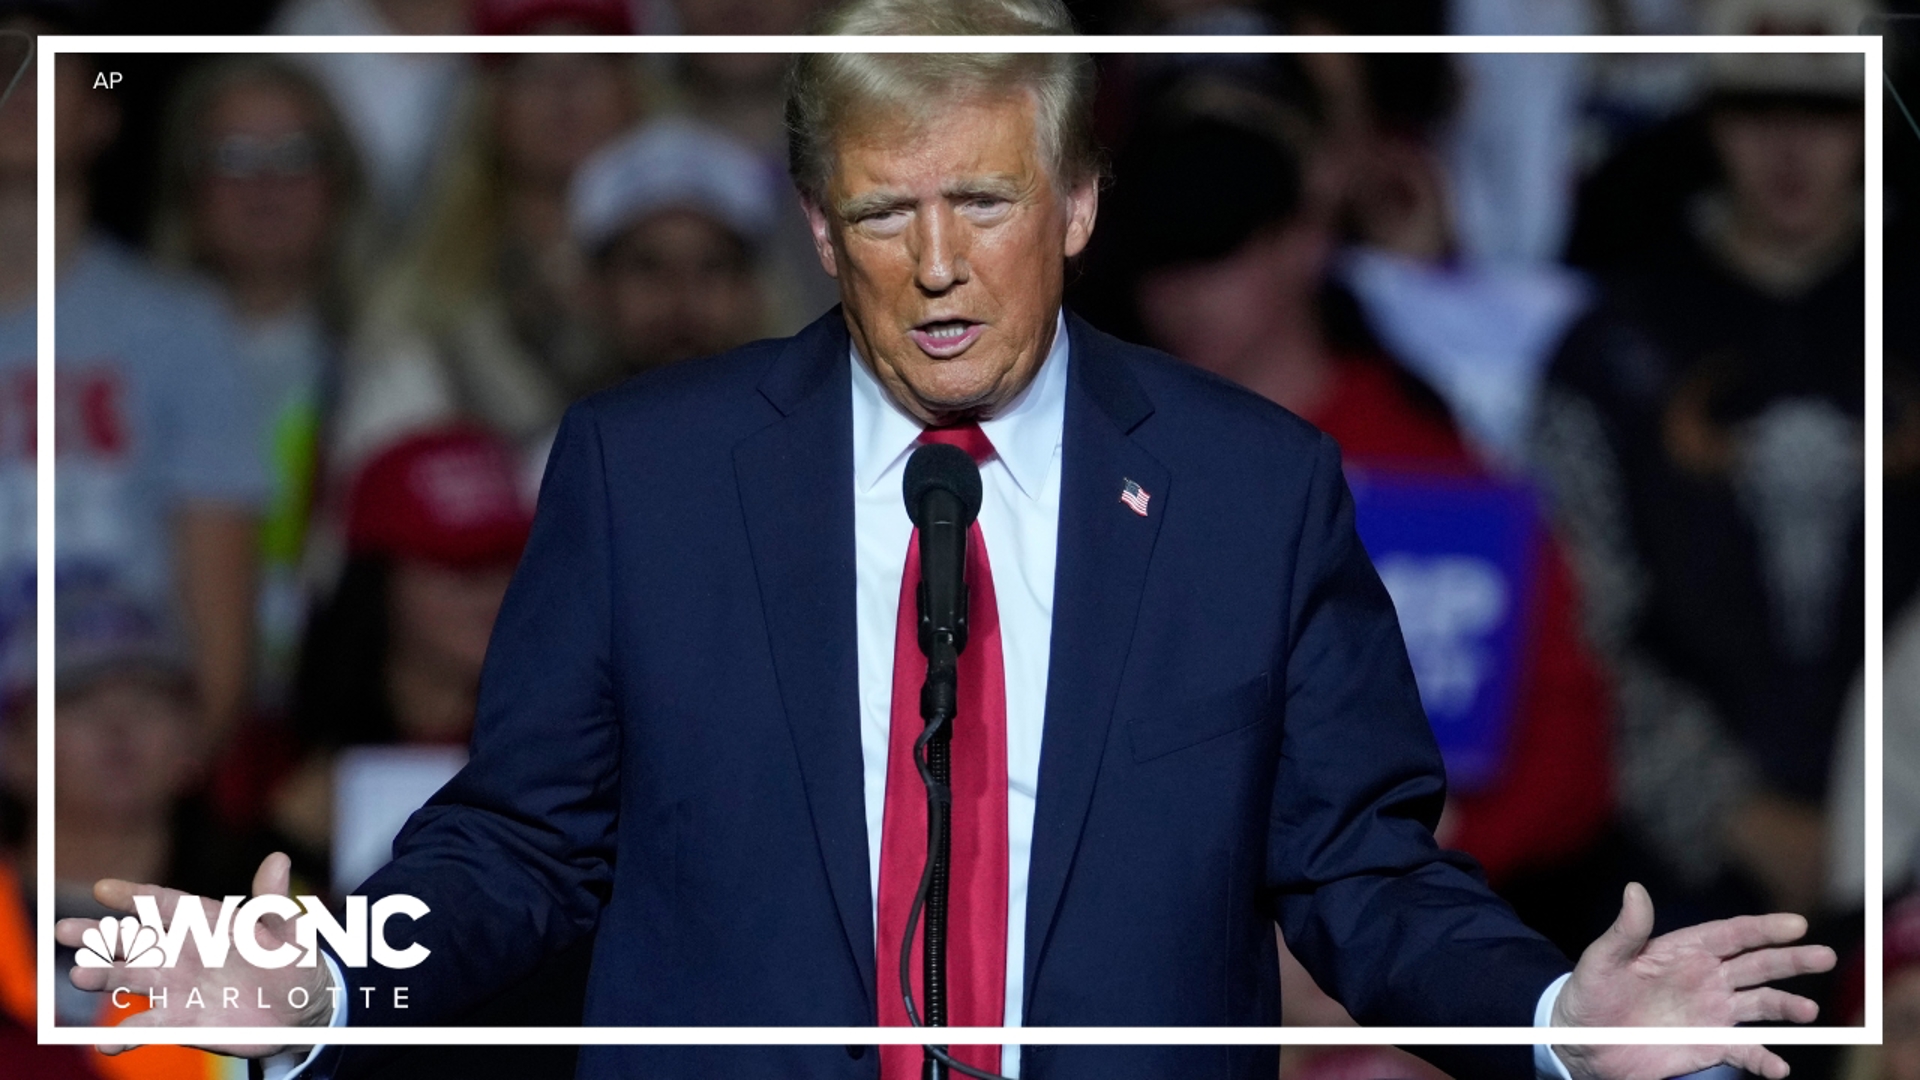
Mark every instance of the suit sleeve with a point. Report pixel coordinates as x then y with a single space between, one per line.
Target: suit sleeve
1397 930
514 857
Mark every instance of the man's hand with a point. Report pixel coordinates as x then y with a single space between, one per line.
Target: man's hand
252 983
1703 976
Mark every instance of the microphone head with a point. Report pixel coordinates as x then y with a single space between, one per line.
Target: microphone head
938 466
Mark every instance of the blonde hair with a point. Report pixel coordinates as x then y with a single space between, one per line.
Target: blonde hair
825 90
449 255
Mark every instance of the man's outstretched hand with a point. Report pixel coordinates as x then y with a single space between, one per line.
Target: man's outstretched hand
1709 975
253 984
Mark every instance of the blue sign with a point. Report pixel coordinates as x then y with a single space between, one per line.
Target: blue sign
1457 554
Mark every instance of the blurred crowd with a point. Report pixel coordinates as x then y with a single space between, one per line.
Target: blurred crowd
1588 329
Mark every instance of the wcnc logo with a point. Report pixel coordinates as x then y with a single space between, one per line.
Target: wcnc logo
148 941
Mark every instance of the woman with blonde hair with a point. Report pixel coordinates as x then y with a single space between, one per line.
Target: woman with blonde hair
260 192
481 316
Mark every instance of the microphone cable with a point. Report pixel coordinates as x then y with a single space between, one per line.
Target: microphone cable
939 799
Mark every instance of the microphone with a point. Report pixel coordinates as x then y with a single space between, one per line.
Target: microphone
942 490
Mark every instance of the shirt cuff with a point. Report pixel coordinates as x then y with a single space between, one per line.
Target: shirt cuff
290 1064
1546 1063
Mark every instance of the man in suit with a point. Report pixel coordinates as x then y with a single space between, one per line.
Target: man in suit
693 720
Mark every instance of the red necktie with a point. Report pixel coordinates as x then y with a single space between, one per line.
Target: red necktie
977 896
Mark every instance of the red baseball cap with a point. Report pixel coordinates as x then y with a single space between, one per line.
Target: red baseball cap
530 16
450 496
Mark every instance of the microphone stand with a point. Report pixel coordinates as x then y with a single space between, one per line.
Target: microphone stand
932 751
939 701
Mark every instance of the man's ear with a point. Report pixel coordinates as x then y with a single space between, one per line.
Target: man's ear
1083 205
822 231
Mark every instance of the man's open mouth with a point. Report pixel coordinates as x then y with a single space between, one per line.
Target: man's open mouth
942 338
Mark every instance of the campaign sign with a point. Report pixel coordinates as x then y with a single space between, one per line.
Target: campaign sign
1456 553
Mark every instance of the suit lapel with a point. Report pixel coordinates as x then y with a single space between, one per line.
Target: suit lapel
1103 551
796 490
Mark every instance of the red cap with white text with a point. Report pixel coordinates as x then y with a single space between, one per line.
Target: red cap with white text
449 496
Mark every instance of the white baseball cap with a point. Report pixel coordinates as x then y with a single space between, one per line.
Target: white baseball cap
1828 75
672 164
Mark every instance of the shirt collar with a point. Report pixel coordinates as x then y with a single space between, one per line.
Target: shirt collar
1025 434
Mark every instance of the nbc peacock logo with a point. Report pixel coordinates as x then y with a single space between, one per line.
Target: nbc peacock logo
125 940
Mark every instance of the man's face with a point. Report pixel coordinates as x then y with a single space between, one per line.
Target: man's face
555 110
948 239
121 750
674 285
263 197
1794 172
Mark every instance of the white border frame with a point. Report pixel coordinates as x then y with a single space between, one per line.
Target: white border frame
52 45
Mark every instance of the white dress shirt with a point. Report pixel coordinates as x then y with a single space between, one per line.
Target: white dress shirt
1020 524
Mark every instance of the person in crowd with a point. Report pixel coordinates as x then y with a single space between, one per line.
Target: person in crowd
1702 438
1649 114
741 93
159 472
125 764
674 220
435 525
1456 169
19 990
484 317
19 272
125 761
399 107
260 190
1233 277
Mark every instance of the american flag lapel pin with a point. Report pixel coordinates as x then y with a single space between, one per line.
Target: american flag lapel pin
1135 497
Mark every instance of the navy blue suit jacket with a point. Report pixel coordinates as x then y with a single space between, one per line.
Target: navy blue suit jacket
668 749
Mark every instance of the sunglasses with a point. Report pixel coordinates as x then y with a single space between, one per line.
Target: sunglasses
245 157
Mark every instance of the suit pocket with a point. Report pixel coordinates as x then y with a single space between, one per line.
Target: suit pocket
1161 728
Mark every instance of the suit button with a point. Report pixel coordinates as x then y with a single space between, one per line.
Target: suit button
856 1052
